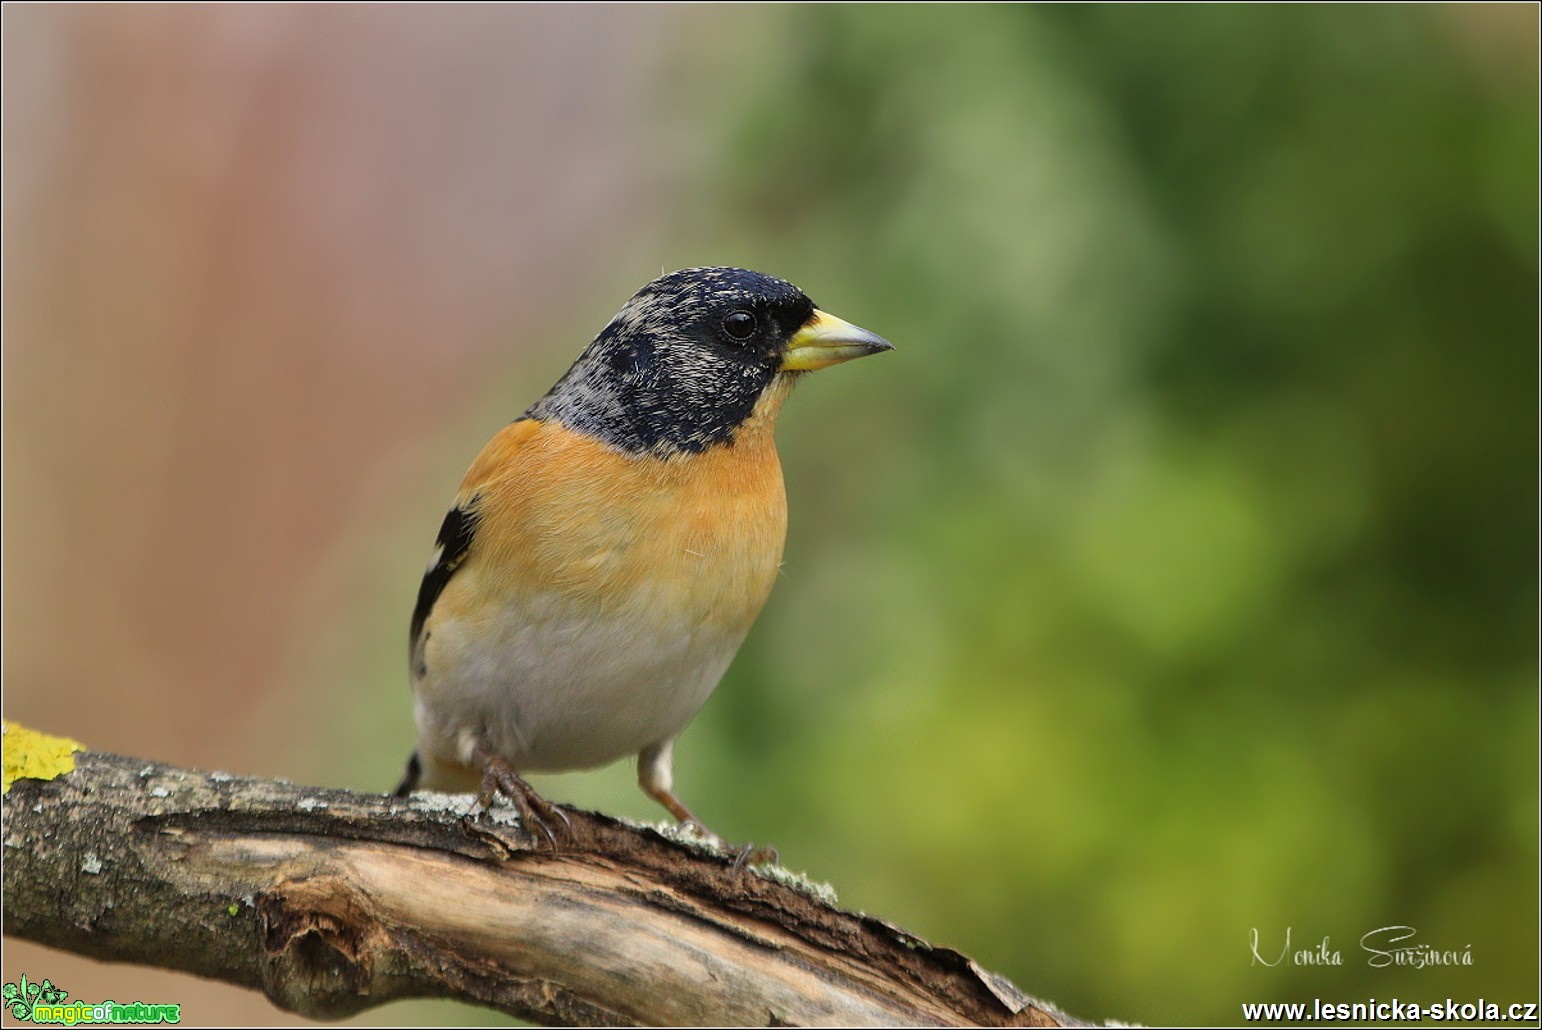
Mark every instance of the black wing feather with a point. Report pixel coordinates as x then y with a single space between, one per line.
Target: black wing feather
454 543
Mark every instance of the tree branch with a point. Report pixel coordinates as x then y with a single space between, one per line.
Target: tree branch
330 902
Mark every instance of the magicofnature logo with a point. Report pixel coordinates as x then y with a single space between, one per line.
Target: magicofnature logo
44 1003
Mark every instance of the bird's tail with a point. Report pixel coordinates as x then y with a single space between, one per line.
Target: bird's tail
410 777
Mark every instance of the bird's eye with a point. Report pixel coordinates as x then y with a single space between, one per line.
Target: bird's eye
740 325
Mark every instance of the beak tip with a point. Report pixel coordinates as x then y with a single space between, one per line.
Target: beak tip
874 343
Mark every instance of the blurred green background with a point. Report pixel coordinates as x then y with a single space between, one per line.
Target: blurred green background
1176 578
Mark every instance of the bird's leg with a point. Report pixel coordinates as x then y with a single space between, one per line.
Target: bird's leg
677 809
655 774
499 777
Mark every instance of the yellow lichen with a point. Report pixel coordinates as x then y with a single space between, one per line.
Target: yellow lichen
30 755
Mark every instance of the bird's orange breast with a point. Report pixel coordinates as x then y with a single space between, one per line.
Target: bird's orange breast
695 537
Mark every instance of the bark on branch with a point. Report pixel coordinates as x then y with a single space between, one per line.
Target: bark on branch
330 902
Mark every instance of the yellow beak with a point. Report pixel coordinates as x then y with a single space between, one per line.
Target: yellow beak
825 340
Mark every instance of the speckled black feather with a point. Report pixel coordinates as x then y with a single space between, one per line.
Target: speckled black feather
665 376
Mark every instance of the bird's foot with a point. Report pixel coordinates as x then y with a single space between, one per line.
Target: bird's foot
499 777
752 854
744 854
748 854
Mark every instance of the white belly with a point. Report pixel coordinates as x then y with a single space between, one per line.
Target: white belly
551 688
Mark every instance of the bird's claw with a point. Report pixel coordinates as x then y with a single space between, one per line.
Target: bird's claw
752 854
746 855
499 777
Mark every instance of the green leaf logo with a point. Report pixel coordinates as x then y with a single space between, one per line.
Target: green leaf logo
18 998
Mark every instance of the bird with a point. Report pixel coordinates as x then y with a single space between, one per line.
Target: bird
608 551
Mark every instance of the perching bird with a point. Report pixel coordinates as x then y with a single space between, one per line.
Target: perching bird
609 549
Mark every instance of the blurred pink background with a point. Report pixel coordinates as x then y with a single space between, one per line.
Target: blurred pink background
256 260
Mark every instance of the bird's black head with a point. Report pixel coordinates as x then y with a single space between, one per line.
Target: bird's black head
685 361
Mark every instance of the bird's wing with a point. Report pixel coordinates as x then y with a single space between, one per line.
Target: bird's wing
457 533
451 548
